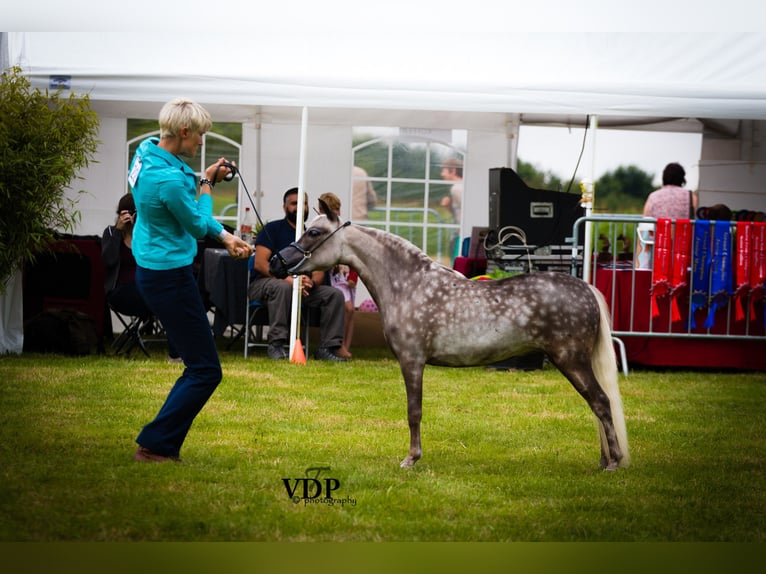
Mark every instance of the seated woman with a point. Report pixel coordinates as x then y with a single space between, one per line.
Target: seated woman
120 267
343 278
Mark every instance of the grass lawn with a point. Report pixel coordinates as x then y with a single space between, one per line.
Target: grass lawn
507 456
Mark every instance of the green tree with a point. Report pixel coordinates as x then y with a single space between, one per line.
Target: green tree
623 190
538 179
45 139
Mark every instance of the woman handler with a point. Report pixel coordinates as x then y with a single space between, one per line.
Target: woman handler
170 219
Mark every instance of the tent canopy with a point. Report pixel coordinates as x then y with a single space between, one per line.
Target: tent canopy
626 79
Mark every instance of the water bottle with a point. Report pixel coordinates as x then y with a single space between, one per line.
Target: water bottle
246 227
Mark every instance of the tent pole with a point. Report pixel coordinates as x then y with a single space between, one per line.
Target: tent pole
258 159
295 313
512 135
588 187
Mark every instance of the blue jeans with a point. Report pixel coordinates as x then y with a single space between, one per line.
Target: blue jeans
174 298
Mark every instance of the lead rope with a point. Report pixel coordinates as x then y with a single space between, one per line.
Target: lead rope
228 177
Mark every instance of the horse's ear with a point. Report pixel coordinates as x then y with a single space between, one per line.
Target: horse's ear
328 212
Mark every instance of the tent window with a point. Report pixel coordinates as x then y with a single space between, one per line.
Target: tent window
224 141
397 186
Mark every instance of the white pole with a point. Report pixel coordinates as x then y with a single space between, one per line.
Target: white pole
258 134
588 186
512 127
295 313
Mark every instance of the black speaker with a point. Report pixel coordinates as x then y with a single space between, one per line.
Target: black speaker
547 217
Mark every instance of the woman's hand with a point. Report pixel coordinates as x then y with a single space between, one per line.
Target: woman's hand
236 247
124 219
216 172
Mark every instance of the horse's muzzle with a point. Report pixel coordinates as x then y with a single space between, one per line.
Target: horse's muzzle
286 261
278 266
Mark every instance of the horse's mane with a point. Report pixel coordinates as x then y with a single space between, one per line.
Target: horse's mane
398 245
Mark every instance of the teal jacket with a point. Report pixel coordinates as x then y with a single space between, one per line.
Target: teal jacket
170 218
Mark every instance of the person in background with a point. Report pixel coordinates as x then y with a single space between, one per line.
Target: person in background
452 170
363 196
672 200
719 212
277 293
120 267
170 219
343 278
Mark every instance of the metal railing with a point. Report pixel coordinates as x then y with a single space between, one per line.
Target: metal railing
647 302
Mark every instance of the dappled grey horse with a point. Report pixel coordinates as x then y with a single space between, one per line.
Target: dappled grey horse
433 315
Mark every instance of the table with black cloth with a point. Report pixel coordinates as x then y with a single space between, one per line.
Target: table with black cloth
628 294
225 279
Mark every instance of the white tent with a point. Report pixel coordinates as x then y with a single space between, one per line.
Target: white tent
546 77
415 64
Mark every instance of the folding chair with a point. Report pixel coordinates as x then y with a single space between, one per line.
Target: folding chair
132 334
256 315
137 331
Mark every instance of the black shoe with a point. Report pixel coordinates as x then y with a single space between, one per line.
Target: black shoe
326 354
276 351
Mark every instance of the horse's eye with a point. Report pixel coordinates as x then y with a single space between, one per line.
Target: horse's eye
313 232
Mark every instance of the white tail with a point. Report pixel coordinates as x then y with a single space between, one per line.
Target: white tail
604 365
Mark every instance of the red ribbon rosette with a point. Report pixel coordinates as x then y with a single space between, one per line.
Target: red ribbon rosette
682 250
758 265
742 270
662 262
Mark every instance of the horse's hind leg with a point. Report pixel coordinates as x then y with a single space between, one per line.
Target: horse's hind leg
413 382
581 375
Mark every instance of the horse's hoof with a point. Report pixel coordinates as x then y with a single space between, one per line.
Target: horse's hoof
407 463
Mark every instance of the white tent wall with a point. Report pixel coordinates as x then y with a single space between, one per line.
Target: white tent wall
485 149
328 164
104 181
273 168
732 166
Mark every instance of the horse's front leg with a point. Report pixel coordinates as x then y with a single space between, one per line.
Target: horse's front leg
413 382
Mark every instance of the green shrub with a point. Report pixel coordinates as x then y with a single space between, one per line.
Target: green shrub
44 140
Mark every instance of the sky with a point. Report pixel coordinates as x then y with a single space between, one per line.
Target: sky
557 149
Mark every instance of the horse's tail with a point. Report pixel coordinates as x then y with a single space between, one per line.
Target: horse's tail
604 364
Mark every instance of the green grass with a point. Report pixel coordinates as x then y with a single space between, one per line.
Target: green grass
507 456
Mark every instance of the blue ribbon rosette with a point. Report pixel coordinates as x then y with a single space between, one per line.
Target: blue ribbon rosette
721 281
700 282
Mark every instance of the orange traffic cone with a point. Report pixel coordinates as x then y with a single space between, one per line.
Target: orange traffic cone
298 355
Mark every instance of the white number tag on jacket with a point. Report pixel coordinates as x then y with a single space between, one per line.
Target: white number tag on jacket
133 176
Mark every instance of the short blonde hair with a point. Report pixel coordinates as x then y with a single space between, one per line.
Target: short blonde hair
332 201
180 113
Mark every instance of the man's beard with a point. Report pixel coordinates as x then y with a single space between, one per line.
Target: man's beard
292 217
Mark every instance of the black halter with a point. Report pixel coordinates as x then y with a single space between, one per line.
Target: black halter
306 253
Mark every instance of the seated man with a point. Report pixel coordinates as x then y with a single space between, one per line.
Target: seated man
277 293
